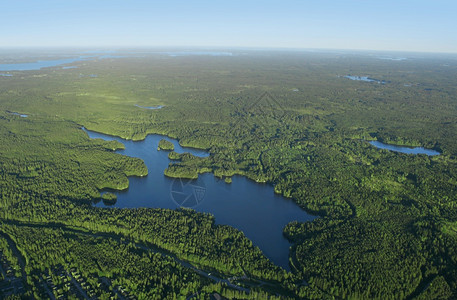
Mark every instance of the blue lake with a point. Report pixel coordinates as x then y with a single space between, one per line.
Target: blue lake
244 204
149 107
18 114
364 78
407 150
392 58
37 65
195 53
40 64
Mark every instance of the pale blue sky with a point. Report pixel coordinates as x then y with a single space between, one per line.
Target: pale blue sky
353 24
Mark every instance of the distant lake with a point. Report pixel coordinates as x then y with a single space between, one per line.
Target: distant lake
364 78
149 107
18 114
207 53
407 150
251 207
40 64
392 58
37 65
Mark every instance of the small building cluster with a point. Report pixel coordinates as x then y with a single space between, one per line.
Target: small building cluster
9 283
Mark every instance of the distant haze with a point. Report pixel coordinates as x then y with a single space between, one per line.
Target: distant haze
404 25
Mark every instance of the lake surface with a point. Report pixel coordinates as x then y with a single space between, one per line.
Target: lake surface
197 53
392 58
149 107
17 114
37 65
40 64
248 206
407 150
364 78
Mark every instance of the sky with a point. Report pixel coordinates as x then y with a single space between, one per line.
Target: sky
400 25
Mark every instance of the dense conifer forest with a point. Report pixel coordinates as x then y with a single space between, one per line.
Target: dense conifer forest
387 225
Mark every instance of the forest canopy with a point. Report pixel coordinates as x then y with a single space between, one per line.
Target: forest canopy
387 220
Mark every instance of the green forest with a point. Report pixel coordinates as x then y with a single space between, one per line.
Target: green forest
387 221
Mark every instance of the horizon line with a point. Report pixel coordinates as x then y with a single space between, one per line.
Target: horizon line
251 48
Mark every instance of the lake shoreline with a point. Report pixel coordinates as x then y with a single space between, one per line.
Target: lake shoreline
254 209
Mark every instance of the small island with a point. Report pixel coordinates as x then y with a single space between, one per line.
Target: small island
109 198
165 145
228 179
174 156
